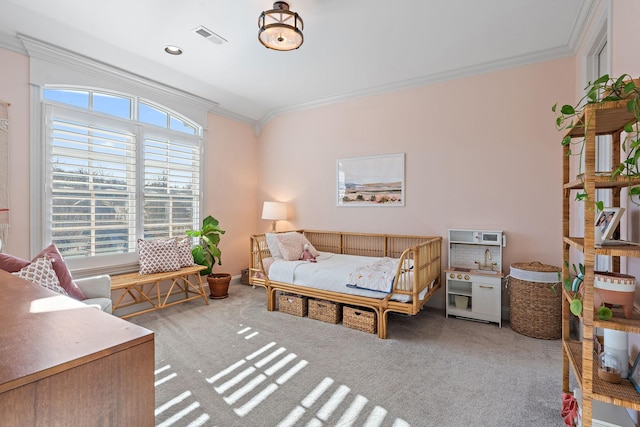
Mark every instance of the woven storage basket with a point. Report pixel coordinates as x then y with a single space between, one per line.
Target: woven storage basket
244 279
326 311
536 310
356 318
292 304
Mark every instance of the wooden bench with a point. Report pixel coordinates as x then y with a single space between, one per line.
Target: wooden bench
145 288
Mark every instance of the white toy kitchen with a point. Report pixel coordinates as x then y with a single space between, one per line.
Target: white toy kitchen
474 276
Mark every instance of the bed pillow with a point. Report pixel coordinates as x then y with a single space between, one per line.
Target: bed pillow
157 256
292 246
41 272
183 247
62 271
272 244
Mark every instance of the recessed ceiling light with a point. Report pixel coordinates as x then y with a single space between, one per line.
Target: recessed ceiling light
173 50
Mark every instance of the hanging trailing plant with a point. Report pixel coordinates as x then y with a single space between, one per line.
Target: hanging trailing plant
606 89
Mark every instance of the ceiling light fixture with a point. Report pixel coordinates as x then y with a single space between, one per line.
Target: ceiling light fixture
280 29
173 50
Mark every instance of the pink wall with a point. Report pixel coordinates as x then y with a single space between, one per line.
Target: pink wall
481 152
14 88
624 60
230 170
231 165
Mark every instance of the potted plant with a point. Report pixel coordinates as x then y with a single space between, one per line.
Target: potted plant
207 253
606 89
573 286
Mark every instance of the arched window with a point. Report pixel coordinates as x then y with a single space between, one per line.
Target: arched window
117 168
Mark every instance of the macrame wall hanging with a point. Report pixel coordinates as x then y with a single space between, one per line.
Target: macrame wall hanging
4 174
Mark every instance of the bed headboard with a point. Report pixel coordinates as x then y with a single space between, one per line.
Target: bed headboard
364 244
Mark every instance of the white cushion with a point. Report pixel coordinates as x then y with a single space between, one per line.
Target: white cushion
272 244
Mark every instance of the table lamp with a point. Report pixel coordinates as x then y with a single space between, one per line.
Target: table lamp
274 211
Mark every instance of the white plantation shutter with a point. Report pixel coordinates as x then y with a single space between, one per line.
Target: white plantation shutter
171 187
111 181
92 185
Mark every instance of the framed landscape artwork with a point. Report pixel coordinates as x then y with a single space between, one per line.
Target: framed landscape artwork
371 181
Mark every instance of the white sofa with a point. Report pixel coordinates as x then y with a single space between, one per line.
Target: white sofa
97 289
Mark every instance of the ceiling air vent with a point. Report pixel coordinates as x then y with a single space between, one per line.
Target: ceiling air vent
209 35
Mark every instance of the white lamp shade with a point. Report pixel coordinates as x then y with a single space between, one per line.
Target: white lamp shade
274 211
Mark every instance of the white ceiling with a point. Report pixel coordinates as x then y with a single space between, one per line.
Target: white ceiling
351 48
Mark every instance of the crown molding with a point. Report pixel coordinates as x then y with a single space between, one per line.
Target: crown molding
57 55
35 48
10 42
585 13
234 116
488 67
39 49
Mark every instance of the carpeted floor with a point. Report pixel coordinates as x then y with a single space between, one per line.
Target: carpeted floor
232 363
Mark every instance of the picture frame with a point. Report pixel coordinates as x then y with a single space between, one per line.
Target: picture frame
634 373
608 220
371 181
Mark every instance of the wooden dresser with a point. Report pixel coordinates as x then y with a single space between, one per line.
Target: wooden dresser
64 363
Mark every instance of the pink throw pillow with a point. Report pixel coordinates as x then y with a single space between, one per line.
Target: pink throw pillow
12 263
266 264
292 246
41 272
62 271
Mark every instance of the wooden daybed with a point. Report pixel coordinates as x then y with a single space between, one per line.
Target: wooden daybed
423 252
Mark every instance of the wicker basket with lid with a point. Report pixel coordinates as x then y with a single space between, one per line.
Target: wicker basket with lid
536 309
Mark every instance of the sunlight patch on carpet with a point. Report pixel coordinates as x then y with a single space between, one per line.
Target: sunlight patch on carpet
252 382
245 384
335 399
249 382
173 412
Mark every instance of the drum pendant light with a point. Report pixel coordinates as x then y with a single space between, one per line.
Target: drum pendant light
280 29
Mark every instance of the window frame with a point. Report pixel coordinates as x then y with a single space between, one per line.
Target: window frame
50 65
141 130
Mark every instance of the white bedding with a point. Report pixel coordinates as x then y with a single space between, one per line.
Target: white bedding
331 272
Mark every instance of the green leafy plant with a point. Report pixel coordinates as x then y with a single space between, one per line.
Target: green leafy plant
207 252
604 313
605 89
573 286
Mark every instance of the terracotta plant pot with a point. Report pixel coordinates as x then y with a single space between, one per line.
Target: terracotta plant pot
614 288
218 285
